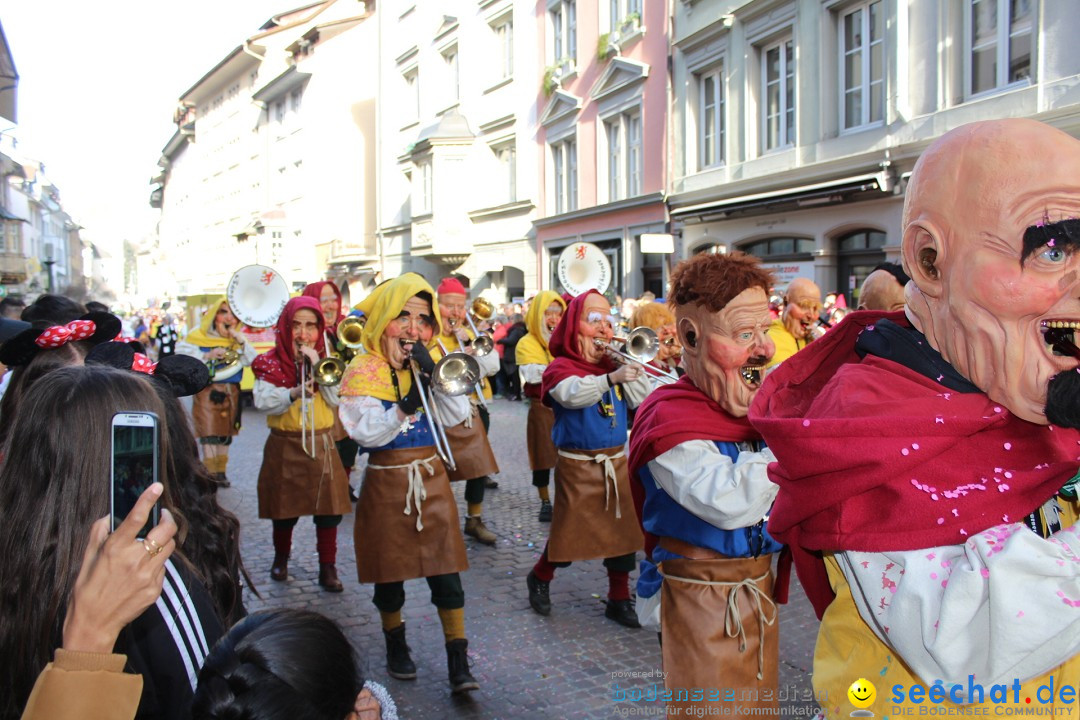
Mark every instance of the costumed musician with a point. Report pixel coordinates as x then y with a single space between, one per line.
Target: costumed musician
329 297
469 439
533 357
927 458
699 474
793 330
301 472
216 410
658 318
406 517
594 511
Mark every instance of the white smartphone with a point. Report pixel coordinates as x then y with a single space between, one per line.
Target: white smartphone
136 456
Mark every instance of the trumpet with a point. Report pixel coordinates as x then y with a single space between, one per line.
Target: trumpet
349 333
455 374
225 367
482 310
640 346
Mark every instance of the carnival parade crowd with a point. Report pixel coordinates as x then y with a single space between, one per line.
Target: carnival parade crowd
915 461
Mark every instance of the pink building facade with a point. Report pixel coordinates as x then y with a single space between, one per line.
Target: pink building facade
602 136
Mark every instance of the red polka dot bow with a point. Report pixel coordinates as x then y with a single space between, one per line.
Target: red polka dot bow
57 335
142 364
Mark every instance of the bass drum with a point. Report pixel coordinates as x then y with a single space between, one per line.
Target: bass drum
257 294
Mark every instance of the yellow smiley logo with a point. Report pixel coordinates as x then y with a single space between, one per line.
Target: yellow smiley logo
862 693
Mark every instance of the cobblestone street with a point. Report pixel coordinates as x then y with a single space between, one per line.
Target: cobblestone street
572 664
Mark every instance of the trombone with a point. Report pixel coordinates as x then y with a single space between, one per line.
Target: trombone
640 346
455 374
327 372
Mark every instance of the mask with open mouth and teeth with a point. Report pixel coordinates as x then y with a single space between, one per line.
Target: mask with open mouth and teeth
992 246
730 348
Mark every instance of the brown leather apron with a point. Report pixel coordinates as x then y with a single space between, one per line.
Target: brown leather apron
542 452
471 449
594 513
406 528
720 630
217 419
292 484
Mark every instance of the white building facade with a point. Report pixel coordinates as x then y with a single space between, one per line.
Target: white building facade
457 166
795 123
272 161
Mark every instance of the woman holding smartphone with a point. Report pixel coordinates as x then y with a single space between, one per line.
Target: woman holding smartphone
54 483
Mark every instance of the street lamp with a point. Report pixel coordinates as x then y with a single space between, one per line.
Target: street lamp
48 262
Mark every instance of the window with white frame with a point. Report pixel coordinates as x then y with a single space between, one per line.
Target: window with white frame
623 11
862 64
710 118
412 95
506 154
563 17
778 91
624 156
999 40
504 44
564 172
453 75
422 192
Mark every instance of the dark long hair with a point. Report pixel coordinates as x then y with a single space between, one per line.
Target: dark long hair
54 483
23 378
279 665
212 544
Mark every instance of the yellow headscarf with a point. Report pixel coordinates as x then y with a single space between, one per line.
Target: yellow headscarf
369 375
202 337
533 348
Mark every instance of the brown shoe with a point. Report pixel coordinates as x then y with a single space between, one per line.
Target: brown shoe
328 579
474 526
279 571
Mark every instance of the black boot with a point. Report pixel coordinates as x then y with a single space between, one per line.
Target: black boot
457 660
622 612
398 663
545 511
539 598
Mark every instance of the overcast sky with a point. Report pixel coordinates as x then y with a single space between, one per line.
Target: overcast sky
98 82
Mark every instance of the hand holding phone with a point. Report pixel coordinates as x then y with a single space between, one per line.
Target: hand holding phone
136 442
119 577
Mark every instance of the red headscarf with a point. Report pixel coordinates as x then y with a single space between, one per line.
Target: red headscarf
563 345
873 456
314 290
278 365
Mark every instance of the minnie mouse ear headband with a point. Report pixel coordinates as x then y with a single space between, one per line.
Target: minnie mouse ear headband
92 329
183 374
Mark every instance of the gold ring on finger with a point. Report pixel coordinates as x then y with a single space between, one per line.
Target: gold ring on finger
152 547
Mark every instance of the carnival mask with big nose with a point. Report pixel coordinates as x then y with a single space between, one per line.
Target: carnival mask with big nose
595 324
725 353
405 330
991 239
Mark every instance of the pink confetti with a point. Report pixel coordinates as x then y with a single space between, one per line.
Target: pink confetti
939 420
1005 518
985 572
914 446
955 512
905 451
1002 487
1007 446
806 423
940 378
933 496
1020 614
963 531
933 576
941 521
997 409
1008 475
931 556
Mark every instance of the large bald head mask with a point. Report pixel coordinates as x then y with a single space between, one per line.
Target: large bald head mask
991 240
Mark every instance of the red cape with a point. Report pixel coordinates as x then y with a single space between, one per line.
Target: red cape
568 361
277 366
671 415
674 414
873 456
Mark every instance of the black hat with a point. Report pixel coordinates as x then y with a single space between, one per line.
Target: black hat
183 374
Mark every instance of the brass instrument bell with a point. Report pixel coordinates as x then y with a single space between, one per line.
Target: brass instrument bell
328 371
225 367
